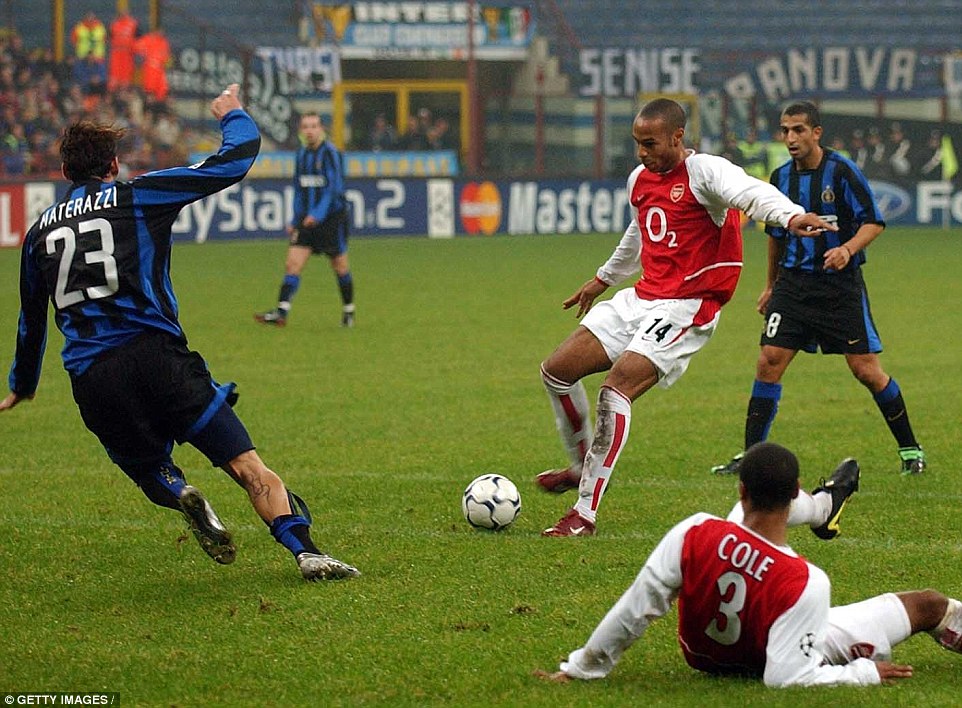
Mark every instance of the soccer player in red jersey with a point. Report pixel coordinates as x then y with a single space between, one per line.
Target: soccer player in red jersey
686 238
749 605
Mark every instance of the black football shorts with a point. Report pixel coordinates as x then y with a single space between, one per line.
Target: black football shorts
827 311
141 397
329 237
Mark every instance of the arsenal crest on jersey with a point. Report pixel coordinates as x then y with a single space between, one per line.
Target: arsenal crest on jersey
677 192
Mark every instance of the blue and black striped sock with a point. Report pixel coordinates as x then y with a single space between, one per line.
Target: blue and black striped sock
762 408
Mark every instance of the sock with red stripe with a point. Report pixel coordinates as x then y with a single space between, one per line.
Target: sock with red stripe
571 415
611 434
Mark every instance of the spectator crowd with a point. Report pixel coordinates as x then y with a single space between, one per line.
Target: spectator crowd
113 76
881 155
422 132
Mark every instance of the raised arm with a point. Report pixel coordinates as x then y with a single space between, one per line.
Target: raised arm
239 147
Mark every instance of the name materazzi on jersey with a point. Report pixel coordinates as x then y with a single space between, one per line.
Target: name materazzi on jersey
79 206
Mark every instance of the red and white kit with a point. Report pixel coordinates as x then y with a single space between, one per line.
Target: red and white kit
686 239
746 606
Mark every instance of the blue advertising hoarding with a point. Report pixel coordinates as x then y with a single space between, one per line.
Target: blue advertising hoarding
444 207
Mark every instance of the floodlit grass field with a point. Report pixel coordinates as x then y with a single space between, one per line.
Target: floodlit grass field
381 427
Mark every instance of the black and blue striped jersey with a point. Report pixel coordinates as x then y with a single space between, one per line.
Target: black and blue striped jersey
318 183
836 187
101 255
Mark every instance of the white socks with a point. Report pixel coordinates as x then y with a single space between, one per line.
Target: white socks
805 509
571 415
611 434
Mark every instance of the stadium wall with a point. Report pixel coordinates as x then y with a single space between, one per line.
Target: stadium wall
443 208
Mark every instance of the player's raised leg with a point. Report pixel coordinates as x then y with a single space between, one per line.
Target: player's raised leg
163 483
822 509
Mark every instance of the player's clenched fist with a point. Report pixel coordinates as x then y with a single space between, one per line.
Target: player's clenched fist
226 102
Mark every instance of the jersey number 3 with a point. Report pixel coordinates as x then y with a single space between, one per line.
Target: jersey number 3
726 628
64 298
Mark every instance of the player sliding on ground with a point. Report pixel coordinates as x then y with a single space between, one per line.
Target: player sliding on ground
749 605
102 256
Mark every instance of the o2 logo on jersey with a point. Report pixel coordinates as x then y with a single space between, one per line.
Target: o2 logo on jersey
656 224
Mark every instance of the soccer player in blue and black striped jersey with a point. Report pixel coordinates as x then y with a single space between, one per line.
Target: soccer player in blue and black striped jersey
815 296
101 256
320 223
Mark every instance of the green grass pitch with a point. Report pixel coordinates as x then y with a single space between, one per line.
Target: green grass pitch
381 427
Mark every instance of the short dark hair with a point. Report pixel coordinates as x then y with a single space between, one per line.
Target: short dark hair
804 108
87 149
770 475
667 110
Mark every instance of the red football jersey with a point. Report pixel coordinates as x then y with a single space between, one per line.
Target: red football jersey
735 585
684 252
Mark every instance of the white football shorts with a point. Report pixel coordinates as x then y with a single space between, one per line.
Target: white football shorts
660 330
868 629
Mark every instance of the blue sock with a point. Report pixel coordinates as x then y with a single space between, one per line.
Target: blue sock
162 482
890 402
889 393
346 284
293 532
762 408
288 288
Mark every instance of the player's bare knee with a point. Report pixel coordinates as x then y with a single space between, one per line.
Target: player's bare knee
869 374
770 366
925 608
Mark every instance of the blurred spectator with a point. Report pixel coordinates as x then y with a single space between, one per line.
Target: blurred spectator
859 149
15 151
931 168
730 151
439 135
413 138
755 157
123 34
154 51
89 38
900 152
838 145
382 135
876 164
424 121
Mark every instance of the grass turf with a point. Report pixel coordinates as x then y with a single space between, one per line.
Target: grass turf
380 427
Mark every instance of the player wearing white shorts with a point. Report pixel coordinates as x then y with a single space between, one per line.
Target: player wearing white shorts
685 237
749 605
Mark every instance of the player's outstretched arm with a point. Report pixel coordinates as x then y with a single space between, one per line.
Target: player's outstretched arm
810 224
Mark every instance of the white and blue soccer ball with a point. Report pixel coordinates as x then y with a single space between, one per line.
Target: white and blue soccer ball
491 501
